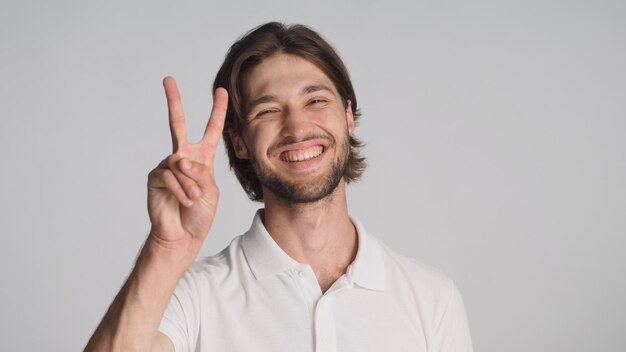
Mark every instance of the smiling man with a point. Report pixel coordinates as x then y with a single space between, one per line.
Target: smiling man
297 126
306 276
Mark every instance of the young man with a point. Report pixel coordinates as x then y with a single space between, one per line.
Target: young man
305 277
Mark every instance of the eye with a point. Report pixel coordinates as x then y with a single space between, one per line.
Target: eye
318 101
265 112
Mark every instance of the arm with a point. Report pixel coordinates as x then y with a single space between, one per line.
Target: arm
133 318
182 200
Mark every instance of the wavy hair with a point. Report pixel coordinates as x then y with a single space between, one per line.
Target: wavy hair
250 50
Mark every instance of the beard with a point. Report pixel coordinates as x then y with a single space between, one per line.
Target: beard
304 192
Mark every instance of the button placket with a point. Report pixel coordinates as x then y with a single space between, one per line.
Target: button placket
305 280
325 334
325 330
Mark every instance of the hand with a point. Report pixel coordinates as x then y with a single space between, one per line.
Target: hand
182 194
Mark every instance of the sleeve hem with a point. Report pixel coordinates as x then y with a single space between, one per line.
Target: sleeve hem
171 332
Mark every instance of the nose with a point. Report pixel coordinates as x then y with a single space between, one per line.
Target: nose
296 124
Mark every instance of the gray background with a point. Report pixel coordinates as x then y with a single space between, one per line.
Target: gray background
495 138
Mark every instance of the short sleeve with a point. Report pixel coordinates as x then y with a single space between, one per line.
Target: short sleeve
181 321
453 332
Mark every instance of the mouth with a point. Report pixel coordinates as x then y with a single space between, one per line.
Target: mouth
302 154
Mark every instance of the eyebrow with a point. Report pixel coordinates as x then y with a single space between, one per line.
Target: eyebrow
261 100
268 98
314 88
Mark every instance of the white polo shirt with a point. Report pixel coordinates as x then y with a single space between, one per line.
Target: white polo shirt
253 297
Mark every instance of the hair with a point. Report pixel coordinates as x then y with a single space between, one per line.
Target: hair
249 51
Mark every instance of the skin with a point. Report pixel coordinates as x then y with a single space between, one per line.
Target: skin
183 196
182 201
317 233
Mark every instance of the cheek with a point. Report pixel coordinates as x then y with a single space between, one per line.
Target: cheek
259 140
336 124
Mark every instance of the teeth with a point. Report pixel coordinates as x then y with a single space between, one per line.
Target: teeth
301 155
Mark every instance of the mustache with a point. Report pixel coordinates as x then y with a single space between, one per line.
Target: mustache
293 140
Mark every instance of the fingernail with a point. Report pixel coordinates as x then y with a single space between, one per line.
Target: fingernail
185 164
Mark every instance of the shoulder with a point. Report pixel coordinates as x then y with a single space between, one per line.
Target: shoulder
422 289
422 279
431 297
404 275
207 270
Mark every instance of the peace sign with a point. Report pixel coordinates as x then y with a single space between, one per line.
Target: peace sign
182 194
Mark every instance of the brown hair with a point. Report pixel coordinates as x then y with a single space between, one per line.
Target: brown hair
249 51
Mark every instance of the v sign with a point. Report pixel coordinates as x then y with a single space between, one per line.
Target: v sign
182 194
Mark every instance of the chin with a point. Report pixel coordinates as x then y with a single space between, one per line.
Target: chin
303 191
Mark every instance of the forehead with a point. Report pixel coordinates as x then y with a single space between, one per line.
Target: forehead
282 75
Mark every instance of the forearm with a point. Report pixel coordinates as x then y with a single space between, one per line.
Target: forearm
182 200
132 321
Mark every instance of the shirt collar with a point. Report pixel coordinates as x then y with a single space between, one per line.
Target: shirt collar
265 257
368 268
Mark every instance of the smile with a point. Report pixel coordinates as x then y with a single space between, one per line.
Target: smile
293 156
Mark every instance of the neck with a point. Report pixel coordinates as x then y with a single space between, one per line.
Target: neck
319 234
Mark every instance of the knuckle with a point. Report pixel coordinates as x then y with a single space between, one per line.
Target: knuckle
154 174
189 184
171 160
168 177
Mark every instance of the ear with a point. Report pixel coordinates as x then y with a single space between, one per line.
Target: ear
241 151
350 117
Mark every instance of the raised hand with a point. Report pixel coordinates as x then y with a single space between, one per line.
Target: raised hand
182 194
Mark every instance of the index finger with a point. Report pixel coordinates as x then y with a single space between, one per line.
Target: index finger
215 126
176 114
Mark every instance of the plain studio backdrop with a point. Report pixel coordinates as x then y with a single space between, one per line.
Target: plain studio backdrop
495 136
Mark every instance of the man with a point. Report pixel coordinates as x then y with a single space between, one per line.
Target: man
305 277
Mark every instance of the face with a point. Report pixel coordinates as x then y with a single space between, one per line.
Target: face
296 136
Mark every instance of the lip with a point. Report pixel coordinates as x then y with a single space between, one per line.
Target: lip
309 165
